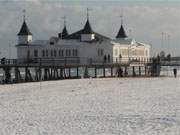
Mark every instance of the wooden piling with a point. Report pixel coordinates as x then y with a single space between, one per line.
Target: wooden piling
125 71
69 70
77 72
104 72
133 70
28 77
61 73
145 68
95 72
18 77
139 70
111 71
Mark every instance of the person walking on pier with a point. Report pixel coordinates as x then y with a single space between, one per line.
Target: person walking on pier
175 72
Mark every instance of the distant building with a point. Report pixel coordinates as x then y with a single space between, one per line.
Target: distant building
85 46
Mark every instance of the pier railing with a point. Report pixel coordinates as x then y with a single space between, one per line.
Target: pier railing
71 61
65 62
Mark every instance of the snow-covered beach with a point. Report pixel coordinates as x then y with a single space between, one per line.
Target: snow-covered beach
111 106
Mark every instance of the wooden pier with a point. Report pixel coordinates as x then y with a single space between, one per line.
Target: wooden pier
16 71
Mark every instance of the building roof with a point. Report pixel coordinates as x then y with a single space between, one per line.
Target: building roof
121 33
86 30
64 33
77 35
24 30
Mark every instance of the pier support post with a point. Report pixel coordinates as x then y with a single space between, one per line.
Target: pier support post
46 74
111 71
86 73
77 71
133 70
51 73
61 73
95 72
139 70
38 74
28 76
125 71
56 74
145 70
69 70
17 75
104 72
65 75
7 71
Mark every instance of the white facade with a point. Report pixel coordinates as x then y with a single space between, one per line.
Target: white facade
69 49
86 52
133 51
85 46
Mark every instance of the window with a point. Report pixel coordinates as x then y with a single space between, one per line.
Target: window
68 52
46 53
28 53
51 43
43 53
61 53
100 52
54 53
35 53
51 53
75 52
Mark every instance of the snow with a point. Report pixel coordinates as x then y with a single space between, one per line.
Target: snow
110 106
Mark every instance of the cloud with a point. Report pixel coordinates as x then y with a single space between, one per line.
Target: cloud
45 19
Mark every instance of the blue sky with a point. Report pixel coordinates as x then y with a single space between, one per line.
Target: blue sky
146 18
